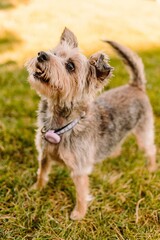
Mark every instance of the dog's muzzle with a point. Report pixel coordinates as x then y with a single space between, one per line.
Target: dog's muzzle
42 57
40 67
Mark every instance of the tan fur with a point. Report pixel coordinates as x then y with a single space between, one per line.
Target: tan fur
68 82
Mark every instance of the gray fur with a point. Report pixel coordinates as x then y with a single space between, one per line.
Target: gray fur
108 119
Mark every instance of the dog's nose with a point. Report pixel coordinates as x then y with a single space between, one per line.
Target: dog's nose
42 56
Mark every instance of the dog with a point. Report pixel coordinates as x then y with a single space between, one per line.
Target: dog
78 128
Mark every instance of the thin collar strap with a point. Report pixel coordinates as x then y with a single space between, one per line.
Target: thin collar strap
67 127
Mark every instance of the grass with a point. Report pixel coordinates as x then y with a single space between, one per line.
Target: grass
8 41
120 185
117 184
7 4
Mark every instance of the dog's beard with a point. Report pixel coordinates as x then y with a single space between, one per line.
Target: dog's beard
41 73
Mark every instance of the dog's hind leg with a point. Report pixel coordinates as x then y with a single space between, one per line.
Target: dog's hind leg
144 133
116 152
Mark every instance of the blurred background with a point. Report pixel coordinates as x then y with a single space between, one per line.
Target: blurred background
27 26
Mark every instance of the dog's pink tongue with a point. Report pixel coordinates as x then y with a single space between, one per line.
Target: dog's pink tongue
52 137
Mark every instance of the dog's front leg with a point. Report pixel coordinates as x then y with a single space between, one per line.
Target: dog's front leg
43 171
82 193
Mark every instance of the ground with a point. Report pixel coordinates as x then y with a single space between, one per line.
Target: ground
126 202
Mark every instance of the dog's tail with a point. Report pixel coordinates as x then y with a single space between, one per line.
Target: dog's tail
133 62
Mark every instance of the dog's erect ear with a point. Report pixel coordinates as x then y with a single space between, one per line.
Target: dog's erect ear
99 66
69 37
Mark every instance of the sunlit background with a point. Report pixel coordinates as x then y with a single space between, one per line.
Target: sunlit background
27 26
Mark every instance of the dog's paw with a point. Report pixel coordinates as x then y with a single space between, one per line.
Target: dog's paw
77 215
37 186
152 168
34 187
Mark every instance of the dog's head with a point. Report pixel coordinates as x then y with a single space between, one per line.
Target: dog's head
65 74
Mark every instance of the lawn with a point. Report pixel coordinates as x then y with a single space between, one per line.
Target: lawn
126 202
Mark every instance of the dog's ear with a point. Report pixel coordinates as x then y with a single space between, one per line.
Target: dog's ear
99 66
69 37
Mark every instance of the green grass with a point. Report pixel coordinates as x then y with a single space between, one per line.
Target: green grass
5 4
8 4
117 184
8 41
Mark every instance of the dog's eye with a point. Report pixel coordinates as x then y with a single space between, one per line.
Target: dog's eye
70 66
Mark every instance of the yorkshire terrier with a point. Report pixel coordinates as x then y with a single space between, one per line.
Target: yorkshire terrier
79 128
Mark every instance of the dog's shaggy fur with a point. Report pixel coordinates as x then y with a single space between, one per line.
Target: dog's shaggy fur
68 82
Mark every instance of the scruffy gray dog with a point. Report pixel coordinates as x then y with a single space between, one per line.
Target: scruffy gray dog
79 129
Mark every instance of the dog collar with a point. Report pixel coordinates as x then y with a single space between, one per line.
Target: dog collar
53 135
